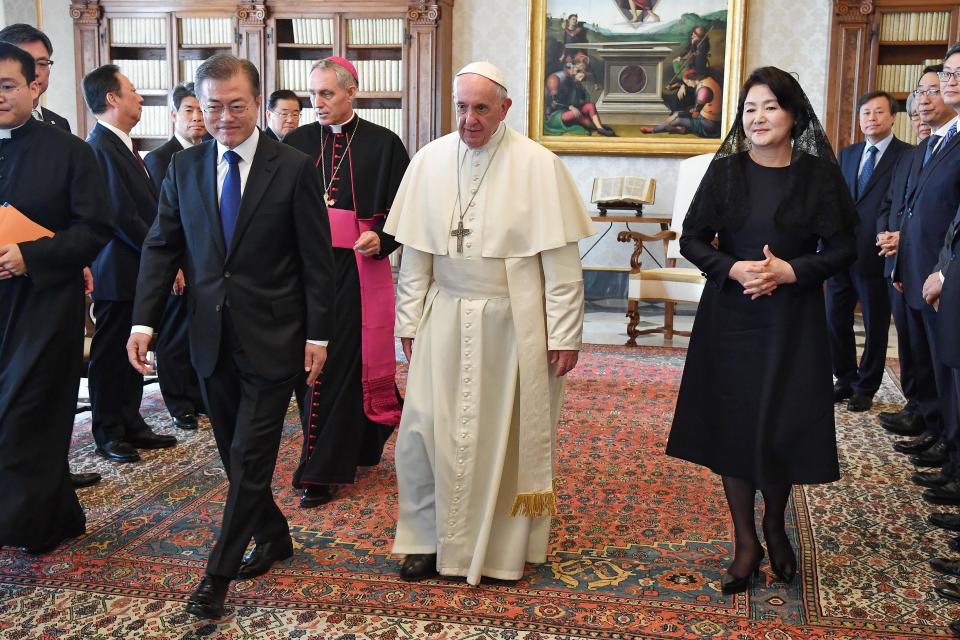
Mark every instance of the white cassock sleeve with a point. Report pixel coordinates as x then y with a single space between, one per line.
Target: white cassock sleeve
416 274
563 293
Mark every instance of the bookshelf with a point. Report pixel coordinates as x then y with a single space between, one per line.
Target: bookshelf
401 48
882 45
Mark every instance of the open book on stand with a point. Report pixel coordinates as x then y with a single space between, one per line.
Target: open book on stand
629 191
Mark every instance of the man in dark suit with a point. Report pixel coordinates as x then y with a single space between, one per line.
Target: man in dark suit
245 215
867 167
908 421
932 200
178 381
283 114
115 389
38 45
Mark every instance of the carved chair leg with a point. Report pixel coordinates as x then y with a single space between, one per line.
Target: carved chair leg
668 311
633 312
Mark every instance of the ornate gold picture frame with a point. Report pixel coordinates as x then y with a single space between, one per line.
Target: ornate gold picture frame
634 77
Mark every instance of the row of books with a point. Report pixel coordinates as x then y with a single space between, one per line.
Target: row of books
146 31
375 31
295 74
903 129
145 74
380 75
390 118
930 25
194 31
188 69
154 121
900 78
313 31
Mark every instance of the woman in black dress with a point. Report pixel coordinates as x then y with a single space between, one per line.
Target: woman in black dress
756 398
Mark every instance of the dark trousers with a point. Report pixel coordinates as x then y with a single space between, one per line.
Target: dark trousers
247 412
923 373
178 380
116 388
908 380
843 292
943 388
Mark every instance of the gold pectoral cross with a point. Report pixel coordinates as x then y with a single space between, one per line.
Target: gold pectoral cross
460 233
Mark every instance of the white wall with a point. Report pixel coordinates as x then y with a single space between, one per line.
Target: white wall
62 94
785 33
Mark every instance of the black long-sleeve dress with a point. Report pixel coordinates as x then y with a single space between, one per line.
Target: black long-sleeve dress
756 397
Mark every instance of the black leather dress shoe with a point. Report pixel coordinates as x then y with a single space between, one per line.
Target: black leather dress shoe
935 456
118 451
911 425
79 480
949 567
947 589
262 556
860 402
418 566
946 494
930 479
151 440
316 495
207 600
948 521
954 545
841 392
955 628
185 421
915 445
894 415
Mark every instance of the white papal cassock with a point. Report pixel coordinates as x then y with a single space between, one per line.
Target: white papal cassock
478 428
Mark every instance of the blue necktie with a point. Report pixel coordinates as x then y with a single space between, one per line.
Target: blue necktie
230 198
952 131
867 170
931 145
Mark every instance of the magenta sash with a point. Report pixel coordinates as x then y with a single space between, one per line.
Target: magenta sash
378 354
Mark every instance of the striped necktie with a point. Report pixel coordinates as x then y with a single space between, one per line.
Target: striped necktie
931 145
868 166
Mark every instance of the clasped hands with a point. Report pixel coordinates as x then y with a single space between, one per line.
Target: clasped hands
888 241
931 290
762 277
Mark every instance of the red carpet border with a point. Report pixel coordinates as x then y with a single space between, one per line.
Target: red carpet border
637 549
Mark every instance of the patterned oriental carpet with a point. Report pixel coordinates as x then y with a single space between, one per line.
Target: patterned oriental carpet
637 549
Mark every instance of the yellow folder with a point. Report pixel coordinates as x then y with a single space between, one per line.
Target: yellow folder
16 227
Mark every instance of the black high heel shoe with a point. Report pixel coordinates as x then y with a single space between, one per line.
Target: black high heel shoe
730 584
786 571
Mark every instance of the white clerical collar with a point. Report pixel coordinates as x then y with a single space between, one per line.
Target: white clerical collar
246 149
337 128
186 144
6 134
125 137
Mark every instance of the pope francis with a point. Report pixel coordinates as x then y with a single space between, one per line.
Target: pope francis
490 313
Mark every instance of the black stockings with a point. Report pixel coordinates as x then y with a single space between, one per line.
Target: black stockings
747 550
774 529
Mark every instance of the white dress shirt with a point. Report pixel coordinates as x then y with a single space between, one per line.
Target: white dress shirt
186 144
881 147
246 150
126 139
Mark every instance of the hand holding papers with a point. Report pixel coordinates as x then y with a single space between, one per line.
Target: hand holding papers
15 228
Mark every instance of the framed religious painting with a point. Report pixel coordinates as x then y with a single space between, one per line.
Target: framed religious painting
645 77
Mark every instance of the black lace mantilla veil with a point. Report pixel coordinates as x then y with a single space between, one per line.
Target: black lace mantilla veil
817 199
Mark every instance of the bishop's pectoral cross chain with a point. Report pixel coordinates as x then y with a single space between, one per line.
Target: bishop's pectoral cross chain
460 233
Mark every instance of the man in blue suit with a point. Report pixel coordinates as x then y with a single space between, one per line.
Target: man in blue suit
931 203
868 168
115 388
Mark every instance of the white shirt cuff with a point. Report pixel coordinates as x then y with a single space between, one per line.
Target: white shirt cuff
139 328
941 276
319 343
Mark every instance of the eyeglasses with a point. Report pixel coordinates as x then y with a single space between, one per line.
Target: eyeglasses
7 88
926 92
217 110
287 114
43 64
946 76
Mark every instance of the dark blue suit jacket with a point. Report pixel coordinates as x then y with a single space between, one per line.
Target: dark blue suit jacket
277 275
890 217
948 316
932 200
870 202
133 206
158 160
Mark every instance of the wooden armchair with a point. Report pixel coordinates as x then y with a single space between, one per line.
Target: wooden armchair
669 284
